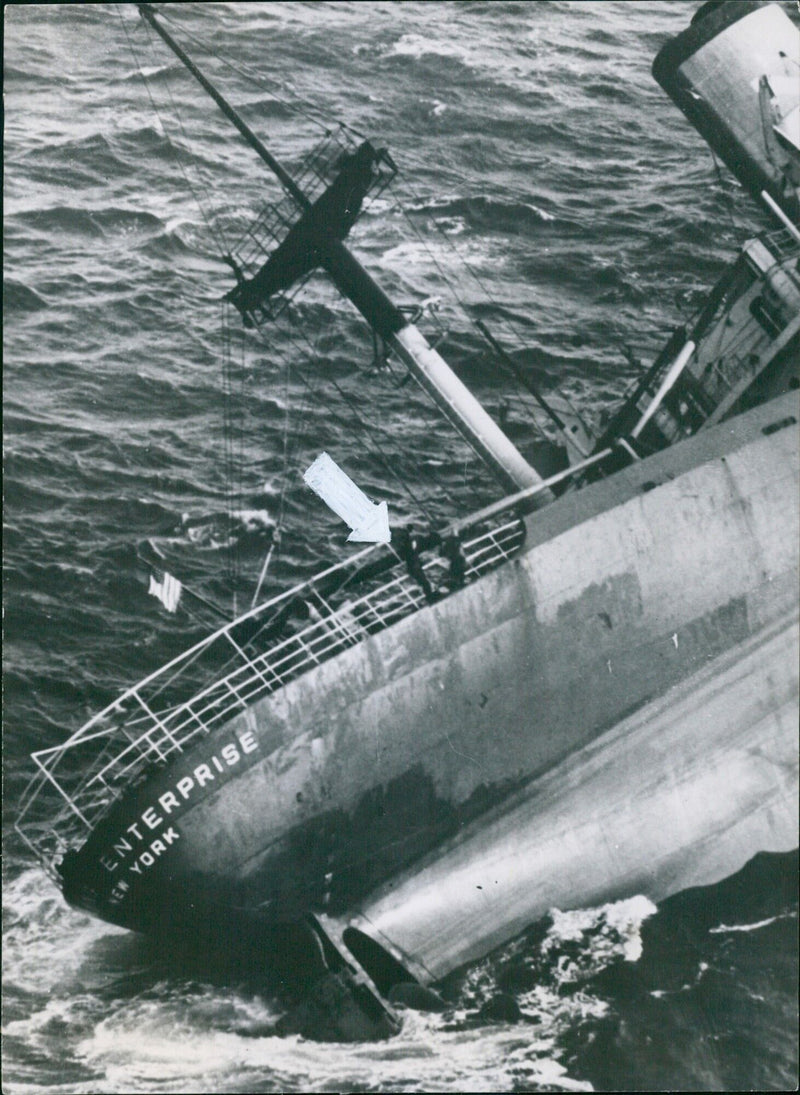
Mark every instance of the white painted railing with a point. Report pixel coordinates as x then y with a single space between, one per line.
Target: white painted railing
207 685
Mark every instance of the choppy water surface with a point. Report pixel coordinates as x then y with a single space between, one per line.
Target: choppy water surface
534 146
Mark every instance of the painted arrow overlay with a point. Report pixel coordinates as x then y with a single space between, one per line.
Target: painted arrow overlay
368 520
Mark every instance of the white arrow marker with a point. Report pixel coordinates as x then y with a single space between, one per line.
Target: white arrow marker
369 521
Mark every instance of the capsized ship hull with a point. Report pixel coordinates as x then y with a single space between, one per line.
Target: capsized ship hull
602 700
613 711
646 808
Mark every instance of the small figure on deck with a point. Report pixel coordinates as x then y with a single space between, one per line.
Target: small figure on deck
451 550
289 618
408 546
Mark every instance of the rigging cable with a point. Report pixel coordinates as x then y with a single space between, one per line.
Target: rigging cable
233 437
510 322
376 451
267 86
275 545
521 402
231 462
213 231
386 462
258 81
368 429
311 350
227 379
263 84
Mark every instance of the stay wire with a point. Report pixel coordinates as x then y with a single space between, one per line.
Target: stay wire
327 127
239 458
388 463
375 448
212 229
298 338
448 242
232 487
521 402
228 442
258 81
233 439
275 546
309 395
240 443
286 430
262 84
233 442
510 325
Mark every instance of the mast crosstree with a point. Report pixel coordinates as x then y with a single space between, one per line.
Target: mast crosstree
315 240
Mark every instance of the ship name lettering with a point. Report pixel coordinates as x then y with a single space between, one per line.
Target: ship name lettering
168 802
157 848
231 753
118 892
203 775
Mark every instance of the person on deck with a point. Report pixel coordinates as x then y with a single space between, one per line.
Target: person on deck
451 550
408 547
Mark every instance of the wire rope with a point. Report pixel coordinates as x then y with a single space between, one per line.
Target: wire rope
259 81
234 446
511 325
212 229
503 319
384 460
327 127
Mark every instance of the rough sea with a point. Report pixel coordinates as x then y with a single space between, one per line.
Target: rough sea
547 186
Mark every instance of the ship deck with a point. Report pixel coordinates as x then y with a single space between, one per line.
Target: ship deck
78 781
256 654
263 650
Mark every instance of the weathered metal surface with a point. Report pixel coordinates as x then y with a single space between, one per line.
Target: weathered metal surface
318 794
713 71
679 794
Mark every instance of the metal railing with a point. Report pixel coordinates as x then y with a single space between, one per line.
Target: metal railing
276 218
253 656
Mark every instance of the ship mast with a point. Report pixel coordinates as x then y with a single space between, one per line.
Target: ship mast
427 366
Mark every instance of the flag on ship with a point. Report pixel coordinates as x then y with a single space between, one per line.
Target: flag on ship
168 590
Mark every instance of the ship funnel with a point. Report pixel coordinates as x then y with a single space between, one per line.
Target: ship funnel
735 74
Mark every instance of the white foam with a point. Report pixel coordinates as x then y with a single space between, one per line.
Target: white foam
541 213
175 1044
45 942
420 45
453 226
611 932
720 928
254 518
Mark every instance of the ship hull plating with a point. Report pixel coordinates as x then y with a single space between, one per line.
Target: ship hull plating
437 738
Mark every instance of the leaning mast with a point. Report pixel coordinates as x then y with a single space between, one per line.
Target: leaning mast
427 366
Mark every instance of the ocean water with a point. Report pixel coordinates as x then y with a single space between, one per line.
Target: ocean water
545 186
